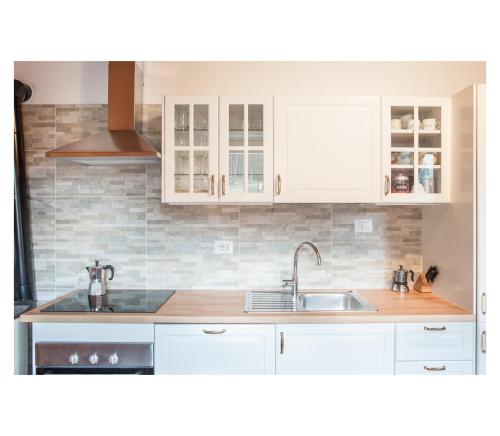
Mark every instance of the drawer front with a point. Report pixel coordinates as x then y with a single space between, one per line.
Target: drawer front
214 349
435 341
435 367
92 332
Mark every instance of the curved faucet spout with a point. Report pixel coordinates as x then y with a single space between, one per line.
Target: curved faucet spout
294 282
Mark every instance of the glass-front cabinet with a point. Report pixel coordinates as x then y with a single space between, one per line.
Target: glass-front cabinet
415 150
190 149
246 149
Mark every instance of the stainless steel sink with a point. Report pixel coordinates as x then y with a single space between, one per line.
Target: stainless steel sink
276 301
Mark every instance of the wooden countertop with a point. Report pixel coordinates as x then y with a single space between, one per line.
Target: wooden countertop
195 307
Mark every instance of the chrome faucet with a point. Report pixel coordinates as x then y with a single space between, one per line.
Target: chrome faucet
294 281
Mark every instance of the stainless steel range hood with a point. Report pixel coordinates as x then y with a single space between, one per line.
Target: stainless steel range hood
121 144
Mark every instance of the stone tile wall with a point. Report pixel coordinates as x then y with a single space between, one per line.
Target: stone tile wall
80 213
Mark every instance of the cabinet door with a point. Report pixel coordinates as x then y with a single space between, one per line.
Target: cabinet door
189 155
435 341
415 150
214 349
246 149
335 349
326 149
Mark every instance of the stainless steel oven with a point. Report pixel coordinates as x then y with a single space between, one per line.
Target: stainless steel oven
93 358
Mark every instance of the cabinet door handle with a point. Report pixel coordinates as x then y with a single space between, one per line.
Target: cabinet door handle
282 343
278 184
435 329
483 342
212 184
435 368
483 303
223 184
214 332
386 185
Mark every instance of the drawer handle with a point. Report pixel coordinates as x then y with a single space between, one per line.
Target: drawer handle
435 329
214 332
282 343
435 368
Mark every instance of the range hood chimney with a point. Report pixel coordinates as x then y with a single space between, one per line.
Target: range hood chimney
121 144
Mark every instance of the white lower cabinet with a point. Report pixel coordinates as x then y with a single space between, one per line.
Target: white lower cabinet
435 367
335 348
435 348
214 349
435 341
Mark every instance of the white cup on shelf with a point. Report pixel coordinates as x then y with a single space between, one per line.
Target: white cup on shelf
430 124
396 124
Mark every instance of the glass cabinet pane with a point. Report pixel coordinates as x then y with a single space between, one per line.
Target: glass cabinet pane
402 180
402 118
429 158
255 171
402 158
429 118
255 124
402 140
236 125
200 171
200 116
181 128
236 171
429 140
181 171
429 180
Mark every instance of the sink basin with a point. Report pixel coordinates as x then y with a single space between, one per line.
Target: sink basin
278 301
336 301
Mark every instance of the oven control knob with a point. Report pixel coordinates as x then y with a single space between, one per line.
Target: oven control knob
73 358
113 359
93 359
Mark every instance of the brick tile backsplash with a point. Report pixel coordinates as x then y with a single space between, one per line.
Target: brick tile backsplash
114 213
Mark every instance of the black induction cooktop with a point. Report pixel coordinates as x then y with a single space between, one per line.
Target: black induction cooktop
114 301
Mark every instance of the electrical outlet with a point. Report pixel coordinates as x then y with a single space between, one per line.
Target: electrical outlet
223 247
363 226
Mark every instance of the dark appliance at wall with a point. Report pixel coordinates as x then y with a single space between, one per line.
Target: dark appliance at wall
24 277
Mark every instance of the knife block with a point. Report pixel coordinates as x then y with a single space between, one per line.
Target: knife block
422 285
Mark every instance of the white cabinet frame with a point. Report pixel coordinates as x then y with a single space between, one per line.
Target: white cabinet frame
226 196
445 131
169 148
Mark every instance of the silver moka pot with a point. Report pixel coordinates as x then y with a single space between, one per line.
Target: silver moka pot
400 279
98 276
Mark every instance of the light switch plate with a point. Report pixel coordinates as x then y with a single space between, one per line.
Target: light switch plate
223 247
363 226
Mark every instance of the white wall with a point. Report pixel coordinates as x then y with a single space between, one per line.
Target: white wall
439 79
65 82
87 82
448 230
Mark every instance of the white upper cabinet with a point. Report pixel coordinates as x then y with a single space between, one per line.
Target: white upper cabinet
190 150
246 149
326 149
415 150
